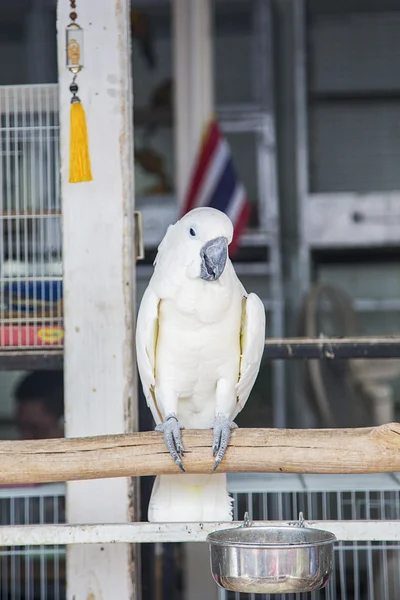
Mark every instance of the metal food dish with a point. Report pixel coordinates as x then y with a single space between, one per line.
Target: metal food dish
271 559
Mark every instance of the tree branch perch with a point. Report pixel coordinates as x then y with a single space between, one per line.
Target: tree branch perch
363 450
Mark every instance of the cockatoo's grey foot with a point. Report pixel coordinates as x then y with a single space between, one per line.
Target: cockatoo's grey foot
171 429
222 433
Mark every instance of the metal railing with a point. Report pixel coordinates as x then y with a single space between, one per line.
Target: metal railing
32 572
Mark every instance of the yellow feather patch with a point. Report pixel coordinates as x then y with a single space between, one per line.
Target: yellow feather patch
152 390
242 336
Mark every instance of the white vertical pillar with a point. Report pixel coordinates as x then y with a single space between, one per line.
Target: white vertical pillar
193 107
193 82
99 278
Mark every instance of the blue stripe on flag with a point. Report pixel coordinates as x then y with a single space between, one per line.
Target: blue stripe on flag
225 188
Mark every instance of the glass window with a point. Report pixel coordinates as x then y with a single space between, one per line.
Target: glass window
233 52
244 152
154 162
353 97
375 290
153 111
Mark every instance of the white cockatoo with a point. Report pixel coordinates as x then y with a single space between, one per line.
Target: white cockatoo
199 343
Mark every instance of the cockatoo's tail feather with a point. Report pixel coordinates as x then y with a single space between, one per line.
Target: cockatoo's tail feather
190 498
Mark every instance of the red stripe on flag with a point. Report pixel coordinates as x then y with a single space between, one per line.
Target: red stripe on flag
207 150
240 227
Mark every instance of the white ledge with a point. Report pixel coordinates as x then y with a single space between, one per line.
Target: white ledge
45 535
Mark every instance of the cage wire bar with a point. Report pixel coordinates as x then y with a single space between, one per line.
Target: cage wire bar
364 570
30 216
32 572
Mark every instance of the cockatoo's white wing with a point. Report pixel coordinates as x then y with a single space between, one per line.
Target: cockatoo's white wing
252 346
146 342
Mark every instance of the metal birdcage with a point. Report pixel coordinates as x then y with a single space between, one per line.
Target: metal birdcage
32 572
30 216
363 571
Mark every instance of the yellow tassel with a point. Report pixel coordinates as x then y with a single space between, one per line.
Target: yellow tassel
79 158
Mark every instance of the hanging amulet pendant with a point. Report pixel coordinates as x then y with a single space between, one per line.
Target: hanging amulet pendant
74 48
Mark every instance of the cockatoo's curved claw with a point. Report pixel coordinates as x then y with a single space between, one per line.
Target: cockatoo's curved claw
222 433
171 428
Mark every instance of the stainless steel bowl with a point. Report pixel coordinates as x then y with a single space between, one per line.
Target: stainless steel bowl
271 559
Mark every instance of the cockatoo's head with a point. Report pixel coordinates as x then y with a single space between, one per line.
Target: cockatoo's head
199 242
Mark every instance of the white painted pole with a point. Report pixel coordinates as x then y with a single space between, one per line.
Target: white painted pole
193 107
193 82
48 535
99 285
182 113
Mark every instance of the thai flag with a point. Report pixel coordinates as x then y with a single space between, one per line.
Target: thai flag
215 182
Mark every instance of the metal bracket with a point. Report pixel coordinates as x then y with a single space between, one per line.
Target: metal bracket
138 233
246 520
299 523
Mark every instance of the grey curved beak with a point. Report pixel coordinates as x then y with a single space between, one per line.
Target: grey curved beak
213 258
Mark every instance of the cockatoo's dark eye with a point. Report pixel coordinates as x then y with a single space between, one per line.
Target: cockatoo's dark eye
192 232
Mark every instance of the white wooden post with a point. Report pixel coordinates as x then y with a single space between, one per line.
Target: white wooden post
99 286
193 107
193 82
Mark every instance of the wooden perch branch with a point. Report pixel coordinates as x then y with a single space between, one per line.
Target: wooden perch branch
364 450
